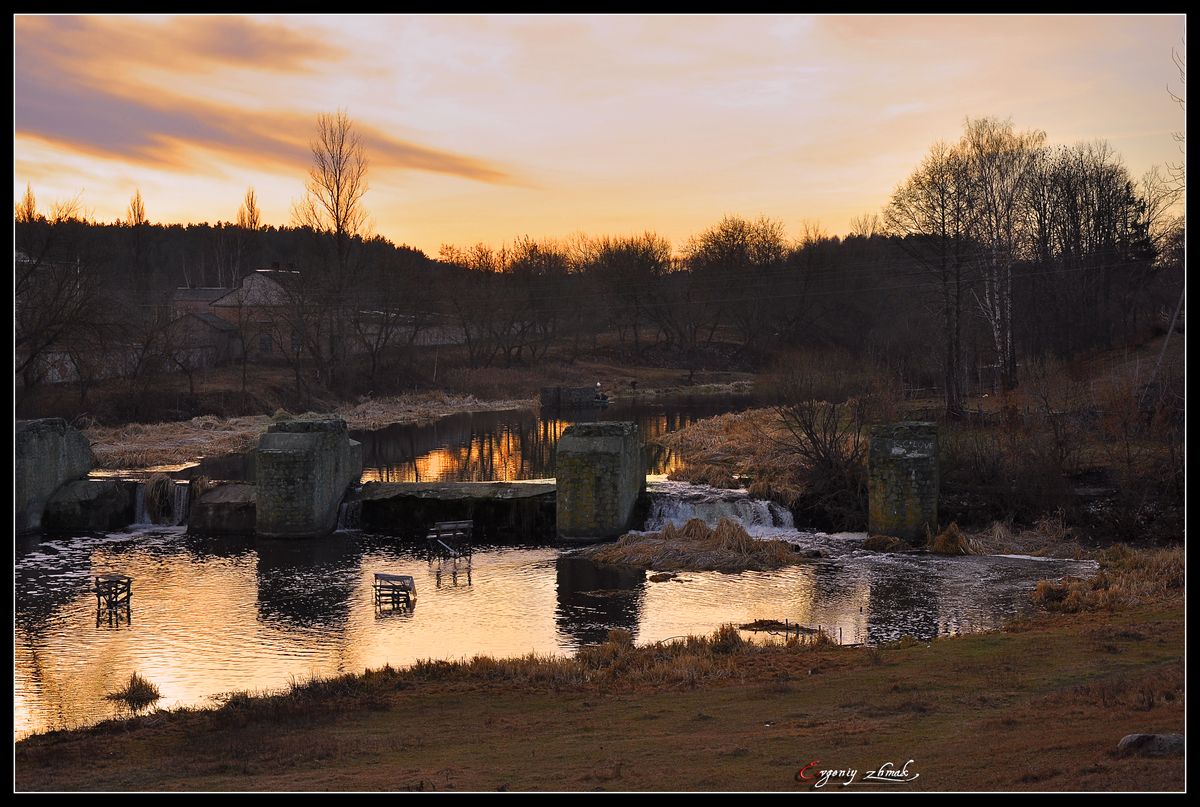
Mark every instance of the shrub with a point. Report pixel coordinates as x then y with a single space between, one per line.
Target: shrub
137 692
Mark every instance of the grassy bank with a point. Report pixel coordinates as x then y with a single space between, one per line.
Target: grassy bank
148 444
1040 706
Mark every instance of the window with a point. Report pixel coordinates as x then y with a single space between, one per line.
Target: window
264 343
296 344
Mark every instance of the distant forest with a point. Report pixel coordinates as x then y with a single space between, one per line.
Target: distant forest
997 247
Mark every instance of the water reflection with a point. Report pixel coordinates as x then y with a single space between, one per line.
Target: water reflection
219 615
901 604
503 446
307 583
592 600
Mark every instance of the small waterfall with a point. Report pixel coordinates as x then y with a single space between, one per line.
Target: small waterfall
140 516
677 502
180 500
179 496
349 515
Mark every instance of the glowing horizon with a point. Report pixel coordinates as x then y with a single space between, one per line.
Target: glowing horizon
490 128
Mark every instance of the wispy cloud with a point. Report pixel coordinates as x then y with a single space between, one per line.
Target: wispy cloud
97 86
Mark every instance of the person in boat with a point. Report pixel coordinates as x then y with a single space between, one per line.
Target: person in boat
600 396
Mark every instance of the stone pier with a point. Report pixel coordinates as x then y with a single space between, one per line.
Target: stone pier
302 470
48 454
599 475
903 480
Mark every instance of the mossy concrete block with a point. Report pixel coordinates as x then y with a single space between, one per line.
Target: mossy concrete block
903 480
302 470
224 510
48 453
600 474
91 505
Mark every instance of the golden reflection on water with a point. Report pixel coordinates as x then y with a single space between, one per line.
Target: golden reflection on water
213 617
521 447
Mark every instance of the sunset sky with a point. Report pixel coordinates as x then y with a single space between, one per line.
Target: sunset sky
488 128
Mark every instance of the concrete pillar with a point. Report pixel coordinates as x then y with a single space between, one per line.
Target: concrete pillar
302 469
903 480
48 453
91 505
599 476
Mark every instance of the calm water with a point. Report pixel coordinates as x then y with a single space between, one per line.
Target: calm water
503 446
212 616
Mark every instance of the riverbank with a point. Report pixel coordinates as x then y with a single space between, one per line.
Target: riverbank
1038 706
140 445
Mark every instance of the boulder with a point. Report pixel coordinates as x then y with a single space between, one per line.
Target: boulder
1151 745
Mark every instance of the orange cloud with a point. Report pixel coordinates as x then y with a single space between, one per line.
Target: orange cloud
82 82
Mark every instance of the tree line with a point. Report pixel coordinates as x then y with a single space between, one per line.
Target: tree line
996 247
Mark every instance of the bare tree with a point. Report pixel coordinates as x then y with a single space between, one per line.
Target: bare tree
999 163
931 213
249 217
738 254
26 209
135 214
332 210
1179 170
337 180
55 287
249 221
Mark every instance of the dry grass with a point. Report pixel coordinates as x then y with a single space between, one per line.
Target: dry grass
696 547
745 444
687 662
951 541
738 441
882 543
1049 705
160 501
140 445
137 692
1050 537
378 413
1126 578
198 486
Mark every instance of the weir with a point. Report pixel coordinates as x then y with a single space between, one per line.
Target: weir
678 502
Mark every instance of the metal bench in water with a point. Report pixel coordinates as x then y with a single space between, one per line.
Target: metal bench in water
394 590
450 539
113 592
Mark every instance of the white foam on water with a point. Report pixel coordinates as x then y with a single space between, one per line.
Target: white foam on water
678 502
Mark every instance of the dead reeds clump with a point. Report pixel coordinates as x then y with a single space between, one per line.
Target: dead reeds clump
160 499
882 543
137 692
951 541
1126 577
696 547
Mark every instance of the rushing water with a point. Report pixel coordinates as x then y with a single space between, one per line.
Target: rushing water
217 615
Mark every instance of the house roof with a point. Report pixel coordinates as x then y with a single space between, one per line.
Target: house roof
214 321
287 278
200 295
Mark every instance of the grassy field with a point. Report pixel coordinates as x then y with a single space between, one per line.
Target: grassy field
1040 706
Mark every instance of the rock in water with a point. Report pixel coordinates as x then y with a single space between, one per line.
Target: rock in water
1151 745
